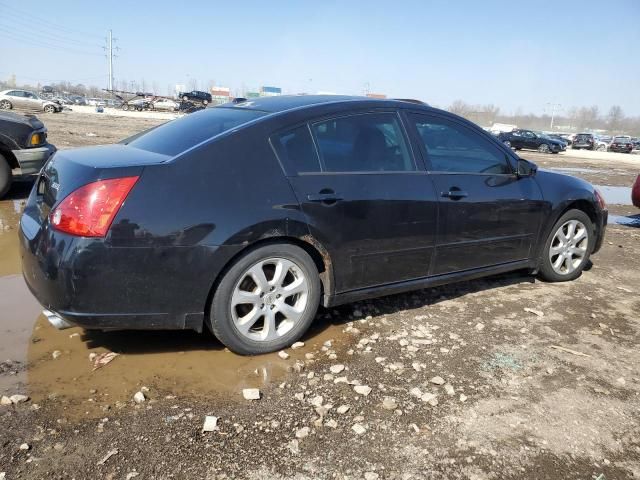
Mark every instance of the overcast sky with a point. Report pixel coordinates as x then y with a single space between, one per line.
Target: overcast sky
517 55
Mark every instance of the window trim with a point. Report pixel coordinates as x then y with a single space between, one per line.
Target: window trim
290 170
472 128
403 132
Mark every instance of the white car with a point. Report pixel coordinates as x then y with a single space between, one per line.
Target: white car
28 100
166 104
96 102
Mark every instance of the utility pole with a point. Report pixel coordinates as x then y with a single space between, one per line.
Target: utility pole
553 112
109 48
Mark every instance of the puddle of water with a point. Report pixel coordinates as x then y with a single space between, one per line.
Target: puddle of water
629 221
616 195
18 309
183 363
578 170
9 256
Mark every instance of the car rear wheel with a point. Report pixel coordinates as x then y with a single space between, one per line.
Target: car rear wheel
185 98
507 143
567 250
206 102
544 148
6 105
266 300
6 176
602 148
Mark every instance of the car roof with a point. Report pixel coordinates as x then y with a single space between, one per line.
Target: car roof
283 103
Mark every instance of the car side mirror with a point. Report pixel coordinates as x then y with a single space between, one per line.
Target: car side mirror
526 168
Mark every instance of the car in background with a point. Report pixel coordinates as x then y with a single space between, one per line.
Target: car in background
567 137
622 144
96 102
602 143
196 96
636 143
529 140
255 213
23 147
165 104
586 141
25 99
635 192
78 99
113 103
560 138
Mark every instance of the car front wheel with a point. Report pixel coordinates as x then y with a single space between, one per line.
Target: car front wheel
544 148
566 251
507 143
266 300
49 109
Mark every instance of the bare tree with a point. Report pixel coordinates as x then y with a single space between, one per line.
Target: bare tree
460 108
615 118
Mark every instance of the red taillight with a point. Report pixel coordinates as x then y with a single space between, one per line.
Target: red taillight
600 199
89 210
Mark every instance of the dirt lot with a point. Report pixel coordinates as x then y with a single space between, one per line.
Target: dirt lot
464 381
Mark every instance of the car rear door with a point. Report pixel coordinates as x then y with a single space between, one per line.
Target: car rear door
487 215
364 197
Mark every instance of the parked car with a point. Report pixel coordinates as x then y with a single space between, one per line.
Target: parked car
635 192
78 100
196 96
23 147
527 139
96 102
622 144
636 143
165 104
560 138
269 216
27 100
585 141
567 137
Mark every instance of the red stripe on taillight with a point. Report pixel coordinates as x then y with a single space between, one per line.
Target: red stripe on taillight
89 210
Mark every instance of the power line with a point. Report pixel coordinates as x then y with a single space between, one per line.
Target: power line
37 30
45 37
31 41
16 12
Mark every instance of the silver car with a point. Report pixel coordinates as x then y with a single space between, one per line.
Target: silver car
25 99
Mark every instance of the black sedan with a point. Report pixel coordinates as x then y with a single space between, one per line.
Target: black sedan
244 218
196 96
526 139
621 144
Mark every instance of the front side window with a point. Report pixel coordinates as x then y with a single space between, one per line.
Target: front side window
454 148
371 142
296 151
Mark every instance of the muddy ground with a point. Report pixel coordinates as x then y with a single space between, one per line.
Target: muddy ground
508 404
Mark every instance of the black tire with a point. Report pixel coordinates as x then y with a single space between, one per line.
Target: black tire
205 102
6 176
547 272
49 109
220 321
6 105
185 98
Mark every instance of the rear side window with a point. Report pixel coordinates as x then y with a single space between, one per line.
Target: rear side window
371 142
179 135
296 151
454 148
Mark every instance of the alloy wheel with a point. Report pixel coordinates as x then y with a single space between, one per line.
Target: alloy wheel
269 299
507 143
5 105
544 148
568 247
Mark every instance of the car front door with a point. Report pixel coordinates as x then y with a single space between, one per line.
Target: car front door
364 197
487 215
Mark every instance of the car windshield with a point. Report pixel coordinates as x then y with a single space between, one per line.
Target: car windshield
179 135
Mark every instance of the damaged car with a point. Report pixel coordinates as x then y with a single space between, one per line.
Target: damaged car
245 218
24 148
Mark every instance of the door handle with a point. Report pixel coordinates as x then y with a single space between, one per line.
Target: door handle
455 194
331 197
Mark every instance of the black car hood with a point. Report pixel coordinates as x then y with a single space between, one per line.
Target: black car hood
30 120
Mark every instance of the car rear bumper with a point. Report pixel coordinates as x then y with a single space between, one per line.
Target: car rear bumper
92 284
31 160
